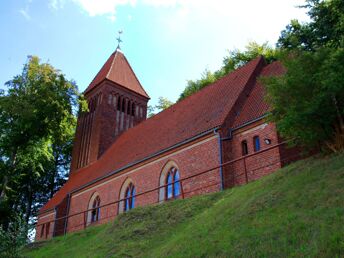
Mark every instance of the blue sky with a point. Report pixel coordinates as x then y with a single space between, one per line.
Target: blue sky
166 41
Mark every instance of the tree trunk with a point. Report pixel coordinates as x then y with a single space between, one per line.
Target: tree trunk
5 181
339 116
28 210
3 188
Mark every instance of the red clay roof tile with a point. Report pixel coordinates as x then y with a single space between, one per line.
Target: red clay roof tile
117 69
255 106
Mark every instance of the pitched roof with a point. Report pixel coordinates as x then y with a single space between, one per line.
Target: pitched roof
118 70
202 111
255 106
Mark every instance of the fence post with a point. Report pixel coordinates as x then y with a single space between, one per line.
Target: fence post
181 188
84 219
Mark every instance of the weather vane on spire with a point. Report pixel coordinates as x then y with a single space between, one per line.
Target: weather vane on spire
119 39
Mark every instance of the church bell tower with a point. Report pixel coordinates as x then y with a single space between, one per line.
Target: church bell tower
116 102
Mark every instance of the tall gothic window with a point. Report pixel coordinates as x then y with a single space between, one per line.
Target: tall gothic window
95 214
129 197
172 184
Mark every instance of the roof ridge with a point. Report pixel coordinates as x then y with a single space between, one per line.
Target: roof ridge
95 77
113 61
259 66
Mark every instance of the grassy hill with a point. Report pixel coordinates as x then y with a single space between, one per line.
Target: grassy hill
295 212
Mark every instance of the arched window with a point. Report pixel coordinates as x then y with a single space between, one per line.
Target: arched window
133 109
123 105
114 101
119 103
172 184
244 147
47 229
93 214
128 107
42 230
256 143
95 210
129 197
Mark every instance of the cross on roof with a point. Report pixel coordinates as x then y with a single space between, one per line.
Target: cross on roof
119 39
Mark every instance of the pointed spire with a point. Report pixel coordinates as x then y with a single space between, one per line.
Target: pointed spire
118 70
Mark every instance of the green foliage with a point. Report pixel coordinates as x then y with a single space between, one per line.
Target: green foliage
326 28
13 239
295 212
207 77
37 118
163 104
234 60
308 101
237 58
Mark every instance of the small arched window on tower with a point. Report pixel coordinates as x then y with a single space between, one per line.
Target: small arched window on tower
114 101
244 147
123 105
119 103
133 109
129 197
256 143
128 107
172 184
95 213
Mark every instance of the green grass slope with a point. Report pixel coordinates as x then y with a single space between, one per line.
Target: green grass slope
295 212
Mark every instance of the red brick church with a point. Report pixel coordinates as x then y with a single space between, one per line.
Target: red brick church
122 160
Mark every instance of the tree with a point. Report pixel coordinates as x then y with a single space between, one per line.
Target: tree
308 101
13 239
163 103
234 60
37 118
326 28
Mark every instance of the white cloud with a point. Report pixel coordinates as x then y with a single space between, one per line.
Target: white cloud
56 4
25 13
252 17
103 7
112 18
164 3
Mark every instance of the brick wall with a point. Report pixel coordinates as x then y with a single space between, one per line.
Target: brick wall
252 167
103 123
46 228
190 160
